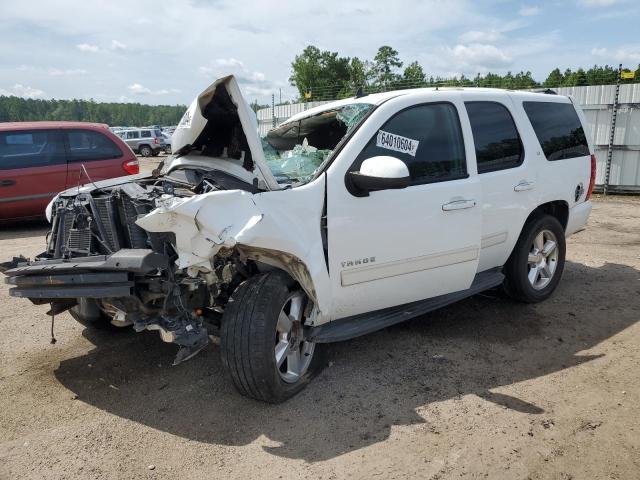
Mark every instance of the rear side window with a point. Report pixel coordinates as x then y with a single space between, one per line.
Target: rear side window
34 148
558 129
146 134
495 135
133 134
87 145
427 138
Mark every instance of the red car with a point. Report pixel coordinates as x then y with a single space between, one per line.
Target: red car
40 159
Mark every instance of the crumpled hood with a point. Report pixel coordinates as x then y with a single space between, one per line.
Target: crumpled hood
218 109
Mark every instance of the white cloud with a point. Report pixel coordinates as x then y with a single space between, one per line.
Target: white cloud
225 66
625 54
24 91
116 45
56 72
87 47
138 89
529 11
479 36
479 56
598 3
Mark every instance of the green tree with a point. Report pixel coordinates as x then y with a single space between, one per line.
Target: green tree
554 79
413 75
16 109
386 64
322 73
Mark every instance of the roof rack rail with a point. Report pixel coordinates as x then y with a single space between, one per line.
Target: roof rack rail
546 91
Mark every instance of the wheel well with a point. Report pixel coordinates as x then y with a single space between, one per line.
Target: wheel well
558 209
143 145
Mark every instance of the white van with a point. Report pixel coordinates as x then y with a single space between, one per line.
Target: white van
343 220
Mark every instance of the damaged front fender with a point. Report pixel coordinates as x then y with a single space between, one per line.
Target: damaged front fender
280 228
203 224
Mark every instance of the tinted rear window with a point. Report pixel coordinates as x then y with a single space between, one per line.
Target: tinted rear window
33 148
87 145
558 129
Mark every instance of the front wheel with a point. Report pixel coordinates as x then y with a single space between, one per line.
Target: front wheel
262 339
535 266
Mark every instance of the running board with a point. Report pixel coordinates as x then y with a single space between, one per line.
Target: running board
364 323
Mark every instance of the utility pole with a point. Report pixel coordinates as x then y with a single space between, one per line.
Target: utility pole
612 133
273 110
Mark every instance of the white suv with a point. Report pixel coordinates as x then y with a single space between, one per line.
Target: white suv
343 220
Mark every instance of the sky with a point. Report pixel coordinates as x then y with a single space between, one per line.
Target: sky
166 52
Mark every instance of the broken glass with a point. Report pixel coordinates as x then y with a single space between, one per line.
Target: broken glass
296 150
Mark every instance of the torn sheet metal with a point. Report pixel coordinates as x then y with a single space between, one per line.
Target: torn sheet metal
280 226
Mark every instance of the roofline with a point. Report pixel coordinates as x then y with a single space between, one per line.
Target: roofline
50 124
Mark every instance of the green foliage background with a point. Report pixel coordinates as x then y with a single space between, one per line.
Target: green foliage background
16 109
325 75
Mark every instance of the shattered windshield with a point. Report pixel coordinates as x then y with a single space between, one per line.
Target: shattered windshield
296 150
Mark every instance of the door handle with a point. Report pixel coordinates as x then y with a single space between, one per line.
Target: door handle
524 185
458 205
7 183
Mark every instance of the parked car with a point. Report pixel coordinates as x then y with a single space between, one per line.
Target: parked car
167 142
40 159
144 141
346 219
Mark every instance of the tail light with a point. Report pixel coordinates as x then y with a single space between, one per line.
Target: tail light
592 182
131 167
155 141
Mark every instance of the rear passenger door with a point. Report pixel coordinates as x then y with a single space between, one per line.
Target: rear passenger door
101 157
33 169
507 176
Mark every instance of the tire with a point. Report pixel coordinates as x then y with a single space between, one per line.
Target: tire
145 151
252 335
532 272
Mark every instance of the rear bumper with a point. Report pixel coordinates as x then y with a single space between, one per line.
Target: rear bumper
578 216
87 277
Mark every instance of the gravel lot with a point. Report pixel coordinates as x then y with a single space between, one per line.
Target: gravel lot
486 388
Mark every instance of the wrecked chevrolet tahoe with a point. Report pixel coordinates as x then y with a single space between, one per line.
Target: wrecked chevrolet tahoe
345 219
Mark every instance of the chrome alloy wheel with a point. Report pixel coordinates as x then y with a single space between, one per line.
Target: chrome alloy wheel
543 259
293 354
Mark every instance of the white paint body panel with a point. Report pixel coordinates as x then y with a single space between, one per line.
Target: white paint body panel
393 246
414 243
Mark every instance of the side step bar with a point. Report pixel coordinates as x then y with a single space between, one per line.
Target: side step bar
362 324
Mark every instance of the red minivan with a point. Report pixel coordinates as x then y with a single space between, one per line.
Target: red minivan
40 159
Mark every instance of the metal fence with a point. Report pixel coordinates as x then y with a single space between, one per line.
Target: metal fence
613 117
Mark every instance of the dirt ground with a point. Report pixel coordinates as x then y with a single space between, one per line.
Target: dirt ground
486 388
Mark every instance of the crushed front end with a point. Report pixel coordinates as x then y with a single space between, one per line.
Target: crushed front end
104 268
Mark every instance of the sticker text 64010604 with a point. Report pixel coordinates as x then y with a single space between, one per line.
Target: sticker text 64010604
397 143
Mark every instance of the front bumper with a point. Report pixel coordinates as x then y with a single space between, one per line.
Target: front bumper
86 277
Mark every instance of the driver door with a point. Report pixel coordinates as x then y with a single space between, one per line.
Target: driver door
393 247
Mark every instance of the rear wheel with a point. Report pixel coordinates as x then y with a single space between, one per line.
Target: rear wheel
145 151
535 266
262 339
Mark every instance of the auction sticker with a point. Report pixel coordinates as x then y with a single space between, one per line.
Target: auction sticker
397 143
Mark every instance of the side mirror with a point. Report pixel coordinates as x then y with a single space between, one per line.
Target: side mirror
380 173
